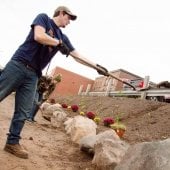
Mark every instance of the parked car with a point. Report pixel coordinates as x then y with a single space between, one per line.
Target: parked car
138 84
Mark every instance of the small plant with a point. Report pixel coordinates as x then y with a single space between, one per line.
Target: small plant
118 125
119 128
82 113
74 108
57 78
64 105
90 115
108 121
97 119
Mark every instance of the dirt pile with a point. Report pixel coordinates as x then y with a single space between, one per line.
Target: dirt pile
50 148
145 120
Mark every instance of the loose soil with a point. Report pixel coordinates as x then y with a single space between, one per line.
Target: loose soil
51 148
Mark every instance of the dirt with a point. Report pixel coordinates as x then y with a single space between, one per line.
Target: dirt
51 148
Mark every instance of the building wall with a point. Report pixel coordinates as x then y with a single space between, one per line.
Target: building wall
102 83
70 82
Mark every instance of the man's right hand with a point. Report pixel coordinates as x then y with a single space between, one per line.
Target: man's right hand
64 49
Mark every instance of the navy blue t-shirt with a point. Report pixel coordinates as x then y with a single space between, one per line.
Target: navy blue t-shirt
38 55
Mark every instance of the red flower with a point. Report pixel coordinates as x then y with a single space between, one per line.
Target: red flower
90 115
74 108
64 105
108 121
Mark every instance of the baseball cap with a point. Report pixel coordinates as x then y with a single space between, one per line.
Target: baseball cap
67 11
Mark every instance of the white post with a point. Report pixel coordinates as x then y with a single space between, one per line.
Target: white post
80 90
88 89
108 87
145 85
146 82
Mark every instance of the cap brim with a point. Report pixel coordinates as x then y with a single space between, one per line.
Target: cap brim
73 17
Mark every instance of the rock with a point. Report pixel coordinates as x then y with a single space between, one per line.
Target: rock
79 127
109 151
87 143
147 156
58 118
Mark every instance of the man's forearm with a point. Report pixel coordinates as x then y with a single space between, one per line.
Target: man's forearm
42 37
78 57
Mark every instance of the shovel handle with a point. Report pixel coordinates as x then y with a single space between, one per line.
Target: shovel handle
124 82
86 62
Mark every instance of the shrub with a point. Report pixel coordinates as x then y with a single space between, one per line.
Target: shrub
74 108
97 120
90 115
82 113
108 121
119 128
64 105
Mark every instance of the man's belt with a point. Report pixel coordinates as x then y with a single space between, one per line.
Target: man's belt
28 66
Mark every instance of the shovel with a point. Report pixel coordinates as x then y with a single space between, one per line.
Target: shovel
86 62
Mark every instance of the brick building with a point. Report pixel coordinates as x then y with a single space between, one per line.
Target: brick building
102 83
70 82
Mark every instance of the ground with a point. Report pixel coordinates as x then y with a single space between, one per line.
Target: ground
51 149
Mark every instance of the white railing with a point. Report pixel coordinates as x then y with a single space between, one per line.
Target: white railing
151 92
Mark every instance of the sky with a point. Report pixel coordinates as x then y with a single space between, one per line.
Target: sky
133 35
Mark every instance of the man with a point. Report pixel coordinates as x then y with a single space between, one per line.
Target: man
0 70
21 73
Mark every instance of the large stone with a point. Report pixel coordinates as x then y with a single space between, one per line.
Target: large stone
67 125
87 143
48 111
109 152
147 156
44 106
58 118
79 127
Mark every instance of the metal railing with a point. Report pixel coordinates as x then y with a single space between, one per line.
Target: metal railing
151 92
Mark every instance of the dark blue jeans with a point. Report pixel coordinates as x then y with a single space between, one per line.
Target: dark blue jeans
37 102
15 76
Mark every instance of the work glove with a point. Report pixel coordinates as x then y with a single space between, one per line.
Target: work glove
104 72
64 49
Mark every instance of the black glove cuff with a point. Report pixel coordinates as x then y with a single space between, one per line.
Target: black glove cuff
64 49
104 72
